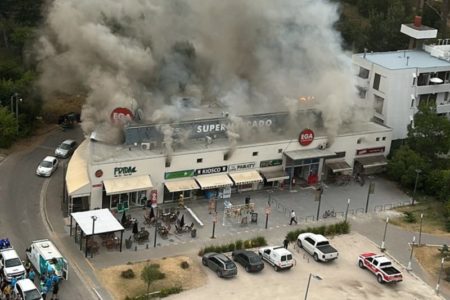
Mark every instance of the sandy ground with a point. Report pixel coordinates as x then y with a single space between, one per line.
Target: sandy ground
342 279
189 278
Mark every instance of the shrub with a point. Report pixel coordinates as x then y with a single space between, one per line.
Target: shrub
170 291
231 247
291 236
127 274
247 244
261 241
239 244
184 265
409 217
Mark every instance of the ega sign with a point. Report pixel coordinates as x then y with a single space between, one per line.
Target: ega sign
306 137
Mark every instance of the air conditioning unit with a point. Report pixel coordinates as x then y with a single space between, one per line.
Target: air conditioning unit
322 146
145 146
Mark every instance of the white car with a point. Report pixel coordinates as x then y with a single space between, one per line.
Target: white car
47 166
26 290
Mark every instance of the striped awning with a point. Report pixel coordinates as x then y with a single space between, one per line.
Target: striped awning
213 181
127 184
246 177
181 185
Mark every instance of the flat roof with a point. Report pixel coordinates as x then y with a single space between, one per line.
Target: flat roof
104 221
47 249
396 60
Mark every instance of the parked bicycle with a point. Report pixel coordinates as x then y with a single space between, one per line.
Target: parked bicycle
329 213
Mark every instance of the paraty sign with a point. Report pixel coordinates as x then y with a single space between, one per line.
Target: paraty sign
306 137
244 166
124 171
121 115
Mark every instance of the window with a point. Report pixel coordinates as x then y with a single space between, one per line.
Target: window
167 163
363 73
378 104
199 160
359 141
376 81
384 138
361 92
280 150
377 139
423 79
255 153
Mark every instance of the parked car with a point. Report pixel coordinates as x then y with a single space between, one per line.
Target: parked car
47 166
220 263
380 266
26 290
11 265
251 261
318 246
277 256
65 149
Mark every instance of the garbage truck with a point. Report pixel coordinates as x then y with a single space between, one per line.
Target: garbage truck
46 259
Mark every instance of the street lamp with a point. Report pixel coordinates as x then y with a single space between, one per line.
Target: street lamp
440 274
418 171
16 96
319 192
409 267
346 211
94 218
214 225
420 230
309 280
382 248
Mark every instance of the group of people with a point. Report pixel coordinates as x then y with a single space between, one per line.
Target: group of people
48 283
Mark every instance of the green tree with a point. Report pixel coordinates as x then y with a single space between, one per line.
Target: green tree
438 184
402 167
150 274
7 128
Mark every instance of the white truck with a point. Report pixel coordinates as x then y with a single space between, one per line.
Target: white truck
277 256
318 246
46 258
11 265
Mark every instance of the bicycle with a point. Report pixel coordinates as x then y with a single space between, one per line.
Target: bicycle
329 213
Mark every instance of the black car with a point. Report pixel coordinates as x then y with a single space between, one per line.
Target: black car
251 261
220 263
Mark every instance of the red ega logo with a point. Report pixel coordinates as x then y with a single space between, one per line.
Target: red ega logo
306 137
121 115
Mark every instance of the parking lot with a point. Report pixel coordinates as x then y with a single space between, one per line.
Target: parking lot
341 279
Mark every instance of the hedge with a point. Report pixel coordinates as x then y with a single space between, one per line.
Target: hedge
258 241
338 228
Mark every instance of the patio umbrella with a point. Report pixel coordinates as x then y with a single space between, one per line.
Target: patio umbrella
182 221
151 214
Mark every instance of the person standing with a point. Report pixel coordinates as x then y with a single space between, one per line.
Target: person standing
31 275
293 218
55 290
285 243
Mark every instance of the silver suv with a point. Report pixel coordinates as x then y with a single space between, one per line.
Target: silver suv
65 149
220 263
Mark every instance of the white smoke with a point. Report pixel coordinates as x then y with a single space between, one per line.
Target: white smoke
246 55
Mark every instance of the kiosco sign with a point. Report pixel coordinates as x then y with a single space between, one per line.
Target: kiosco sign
306 137
121 115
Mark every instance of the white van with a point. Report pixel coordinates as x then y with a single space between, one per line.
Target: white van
44 256
277 256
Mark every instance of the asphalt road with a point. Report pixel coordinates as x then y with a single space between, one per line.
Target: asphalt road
21 218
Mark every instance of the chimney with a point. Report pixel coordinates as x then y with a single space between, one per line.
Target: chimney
417 21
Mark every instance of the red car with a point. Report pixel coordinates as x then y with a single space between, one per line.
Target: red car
380 266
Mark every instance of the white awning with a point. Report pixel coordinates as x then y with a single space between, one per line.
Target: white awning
181 185
338 165
277 175
214 181
104 222
77 177
127 184
311 153
372 161
246 177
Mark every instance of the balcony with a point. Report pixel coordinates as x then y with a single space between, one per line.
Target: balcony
433 89
443 108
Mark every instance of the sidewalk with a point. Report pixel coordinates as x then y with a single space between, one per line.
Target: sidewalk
230 228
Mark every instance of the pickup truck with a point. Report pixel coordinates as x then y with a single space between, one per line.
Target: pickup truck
380 266
318 246
11 265
277 256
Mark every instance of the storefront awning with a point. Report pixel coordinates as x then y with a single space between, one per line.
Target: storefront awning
77 178
127 184
213 181
372 161
246 177
338 166
181 185
277 175
311 153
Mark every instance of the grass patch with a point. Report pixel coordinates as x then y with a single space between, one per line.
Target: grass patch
430 259
433 216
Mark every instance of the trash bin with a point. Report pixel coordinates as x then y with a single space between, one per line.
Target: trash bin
194 233
247 200
254 217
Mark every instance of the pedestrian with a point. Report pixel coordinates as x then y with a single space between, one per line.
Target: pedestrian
285 243
48 283
293 218
44 291
31 275
135 228
7 291
55 290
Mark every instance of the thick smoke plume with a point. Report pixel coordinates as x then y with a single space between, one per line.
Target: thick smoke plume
170 57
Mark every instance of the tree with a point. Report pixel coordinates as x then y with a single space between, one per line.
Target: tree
430 136
402 167
7 128
150 274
